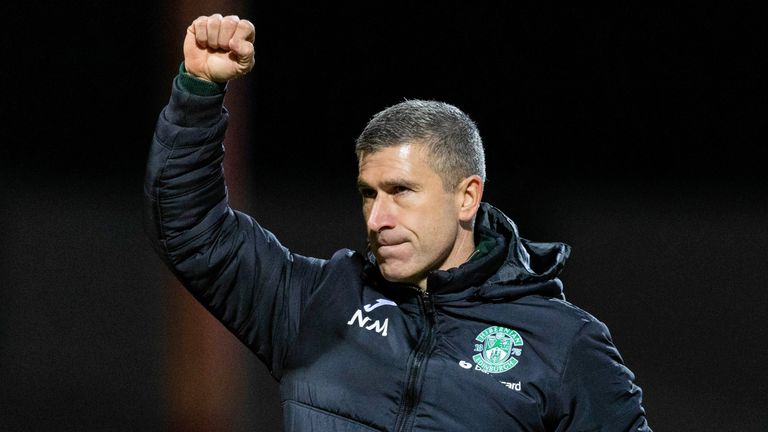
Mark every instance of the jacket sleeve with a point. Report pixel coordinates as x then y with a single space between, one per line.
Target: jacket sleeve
597 391
235 268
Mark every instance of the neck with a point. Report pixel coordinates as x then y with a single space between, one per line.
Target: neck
462 250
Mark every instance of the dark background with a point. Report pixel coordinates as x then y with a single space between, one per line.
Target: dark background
635 134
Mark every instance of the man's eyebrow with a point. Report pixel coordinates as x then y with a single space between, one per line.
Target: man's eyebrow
388 184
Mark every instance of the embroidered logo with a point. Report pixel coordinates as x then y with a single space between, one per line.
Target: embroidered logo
379 302
497 349
375 325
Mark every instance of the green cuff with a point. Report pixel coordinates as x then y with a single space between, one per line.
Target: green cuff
199 86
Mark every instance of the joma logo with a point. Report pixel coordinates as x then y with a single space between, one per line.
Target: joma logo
377 326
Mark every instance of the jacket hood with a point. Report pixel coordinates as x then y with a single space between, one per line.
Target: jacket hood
512 267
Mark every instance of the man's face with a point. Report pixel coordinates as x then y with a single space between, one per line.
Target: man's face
412 222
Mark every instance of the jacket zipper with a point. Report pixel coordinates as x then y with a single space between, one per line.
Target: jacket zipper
412 390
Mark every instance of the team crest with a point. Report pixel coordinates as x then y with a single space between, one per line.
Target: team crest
497 349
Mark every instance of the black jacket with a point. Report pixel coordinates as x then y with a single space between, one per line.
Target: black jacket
491 346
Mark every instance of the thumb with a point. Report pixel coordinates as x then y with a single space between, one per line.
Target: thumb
243 51
241 47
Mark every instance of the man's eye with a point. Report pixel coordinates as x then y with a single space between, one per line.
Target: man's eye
400 189
367 193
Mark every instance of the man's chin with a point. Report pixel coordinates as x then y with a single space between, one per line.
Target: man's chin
396 275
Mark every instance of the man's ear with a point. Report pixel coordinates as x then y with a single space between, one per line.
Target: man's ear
469 194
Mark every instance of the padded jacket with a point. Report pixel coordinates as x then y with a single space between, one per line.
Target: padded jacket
491 345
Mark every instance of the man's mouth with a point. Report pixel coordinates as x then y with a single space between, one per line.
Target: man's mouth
388 248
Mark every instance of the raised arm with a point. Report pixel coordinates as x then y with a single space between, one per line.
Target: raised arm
234 267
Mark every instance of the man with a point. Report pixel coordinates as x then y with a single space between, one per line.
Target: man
450 322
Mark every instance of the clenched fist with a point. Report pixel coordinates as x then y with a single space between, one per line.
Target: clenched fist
219 48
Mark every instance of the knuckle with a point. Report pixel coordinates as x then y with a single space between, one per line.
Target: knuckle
229 24
200 21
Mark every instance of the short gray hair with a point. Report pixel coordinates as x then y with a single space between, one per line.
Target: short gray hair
452 140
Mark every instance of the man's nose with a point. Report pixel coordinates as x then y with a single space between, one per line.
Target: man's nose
381 215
